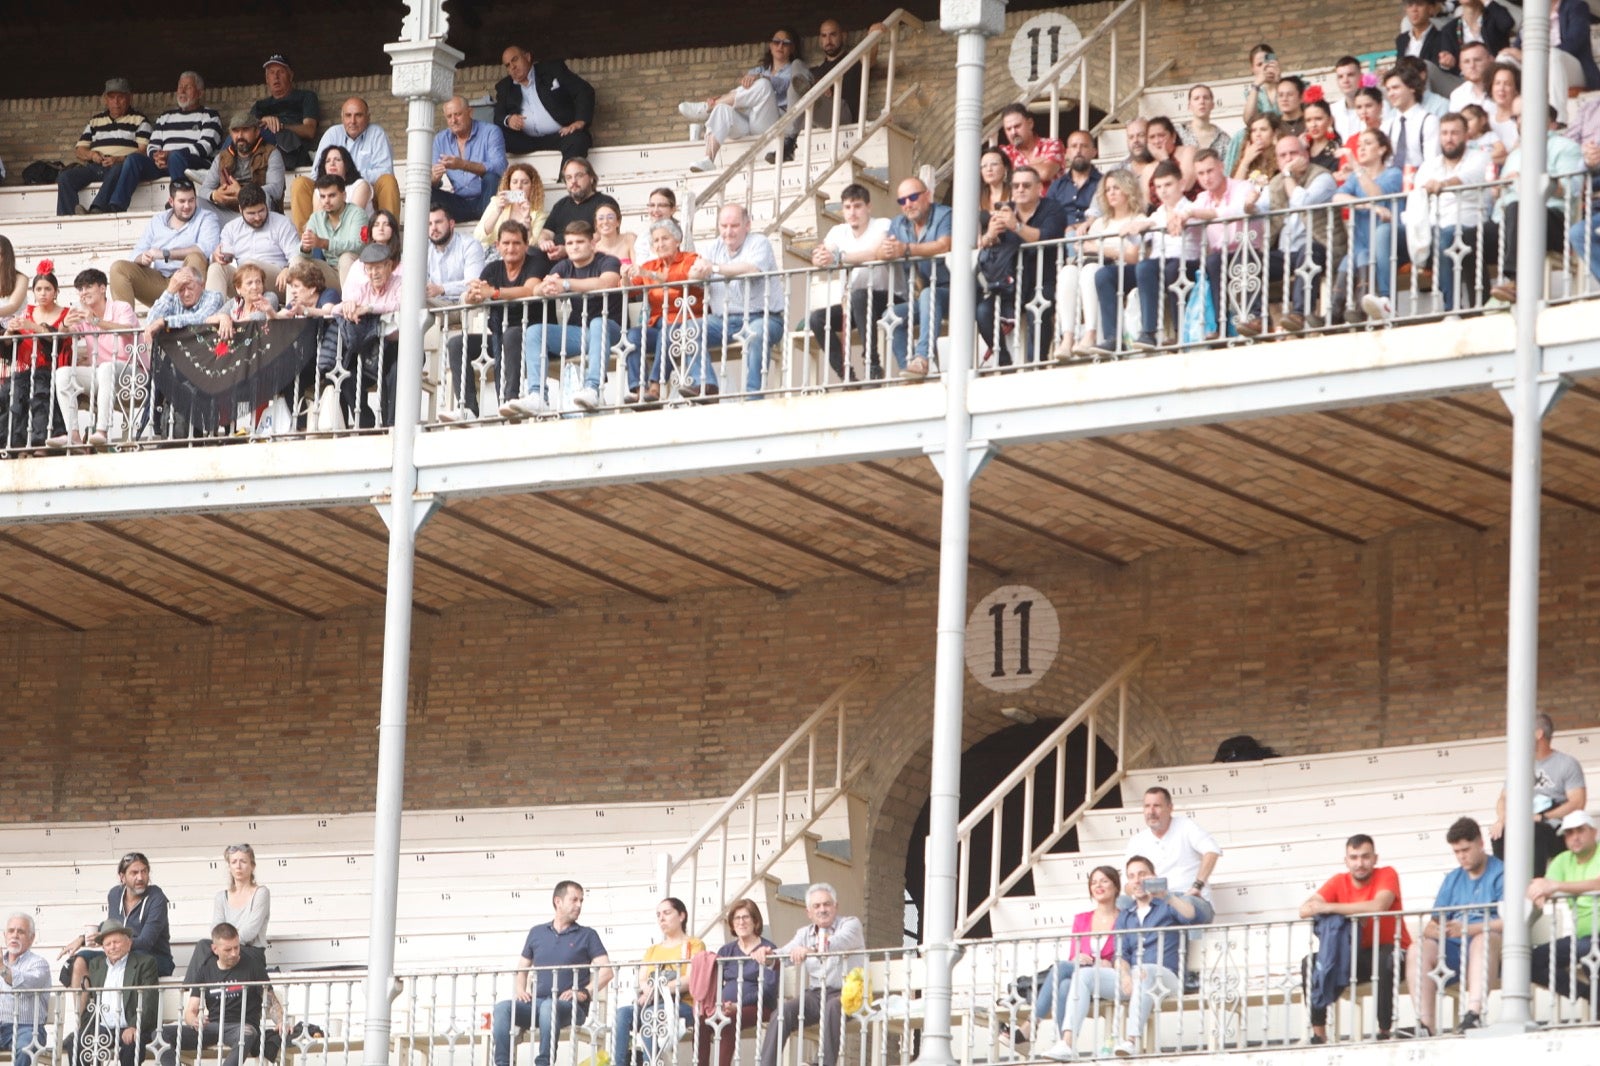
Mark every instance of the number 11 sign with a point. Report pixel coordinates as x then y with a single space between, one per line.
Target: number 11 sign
1012 638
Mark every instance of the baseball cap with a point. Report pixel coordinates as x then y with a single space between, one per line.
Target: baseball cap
279 58
1576 820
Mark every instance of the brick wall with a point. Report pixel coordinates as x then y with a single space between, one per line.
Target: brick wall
639 93
1313 645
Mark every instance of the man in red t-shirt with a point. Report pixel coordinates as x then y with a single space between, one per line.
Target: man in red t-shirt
1364 888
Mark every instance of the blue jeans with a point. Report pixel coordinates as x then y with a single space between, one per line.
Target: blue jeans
1371 244
931 305
17 1038
1152 277
625 1021
652 355
1089 985
593 342
1053 989
116 188
1476 262
73 180
468 208
553 1016
1586 242
759 334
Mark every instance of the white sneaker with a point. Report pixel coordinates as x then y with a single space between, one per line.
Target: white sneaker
1377 306
1124 1049
1060 1051
704 165
452 415
524 407
587 398
694 110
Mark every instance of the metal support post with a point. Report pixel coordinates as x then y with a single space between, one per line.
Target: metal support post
424 73
972 21
1522 623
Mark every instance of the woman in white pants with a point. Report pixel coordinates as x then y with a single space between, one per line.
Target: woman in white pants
102 362
1117 201
760 99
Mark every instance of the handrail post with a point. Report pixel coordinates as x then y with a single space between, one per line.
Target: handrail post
1111 77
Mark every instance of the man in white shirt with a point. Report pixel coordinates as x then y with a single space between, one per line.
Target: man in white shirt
24 1003
851 243
368 145
1412 129
1347 75
1183 853
830 936
455 260
1466 239
259 235
1475 63
749 310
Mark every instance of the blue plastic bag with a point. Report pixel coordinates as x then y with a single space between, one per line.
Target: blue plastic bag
1199 316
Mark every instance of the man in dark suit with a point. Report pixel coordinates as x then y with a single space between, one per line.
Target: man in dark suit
542 106
117 1024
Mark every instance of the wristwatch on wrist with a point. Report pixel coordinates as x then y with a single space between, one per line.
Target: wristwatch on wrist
1198 885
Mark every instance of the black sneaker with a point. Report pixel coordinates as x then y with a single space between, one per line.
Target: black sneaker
1469 1020
1315 1039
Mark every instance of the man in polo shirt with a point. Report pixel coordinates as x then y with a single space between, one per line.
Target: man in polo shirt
919 239
559 997
368 145
109 137
288 115
182 235
1575 872
185 139
259 235
1364 888
472 155
748 310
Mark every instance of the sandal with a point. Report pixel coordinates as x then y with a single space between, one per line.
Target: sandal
915 370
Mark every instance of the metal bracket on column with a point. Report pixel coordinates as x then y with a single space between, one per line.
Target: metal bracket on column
423 507
1551 388
979 452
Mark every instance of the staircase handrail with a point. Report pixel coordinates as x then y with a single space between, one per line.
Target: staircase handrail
991 806
749 793
771 139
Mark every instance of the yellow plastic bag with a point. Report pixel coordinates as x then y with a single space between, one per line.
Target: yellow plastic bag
854 993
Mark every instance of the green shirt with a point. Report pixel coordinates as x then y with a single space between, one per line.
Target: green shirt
346 237
1566 867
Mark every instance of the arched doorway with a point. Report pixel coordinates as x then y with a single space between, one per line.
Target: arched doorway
983 766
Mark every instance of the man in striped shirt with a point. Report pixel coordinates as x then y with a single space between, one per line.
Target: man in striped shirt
110 136
185 138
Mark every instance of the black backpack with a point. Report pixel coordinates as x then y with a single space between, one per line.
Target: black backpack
42 172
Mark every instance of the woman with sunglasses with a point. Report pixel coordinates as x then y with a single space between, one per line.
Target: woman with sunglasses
139 906
761 98
244 904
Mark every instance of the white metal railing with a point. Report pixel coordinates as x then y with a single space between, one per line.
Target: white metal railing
802 120
763 836
990 811
796 331
1226 987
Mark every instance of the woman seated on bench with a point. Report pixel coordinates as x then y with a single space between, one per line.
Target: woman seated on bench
663 986
749 990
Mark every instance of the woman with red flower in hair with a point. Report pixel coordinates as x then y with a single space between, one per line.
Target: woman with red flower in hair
37 355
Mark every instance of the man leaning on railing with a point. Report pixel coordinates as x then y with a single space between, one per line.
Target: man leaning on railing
24 1006
748 308
1574 872
918 240
226 990
1467 923
1365 888
818 950
568 955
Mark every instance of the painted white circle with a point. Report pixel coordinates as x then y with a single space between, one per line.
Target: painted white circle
1041 41
1012 638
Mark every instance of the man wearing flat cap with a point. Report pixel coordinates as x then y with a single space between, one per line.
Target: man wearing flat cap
247 159
289 116
109 137
119 1020
360 348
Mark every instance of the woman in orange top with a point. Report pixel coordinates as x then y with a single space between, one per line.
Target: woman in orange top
674 328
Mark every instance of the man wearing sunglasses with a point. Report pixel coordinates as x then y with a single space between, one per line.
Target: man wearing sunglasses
1012 273
917 239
